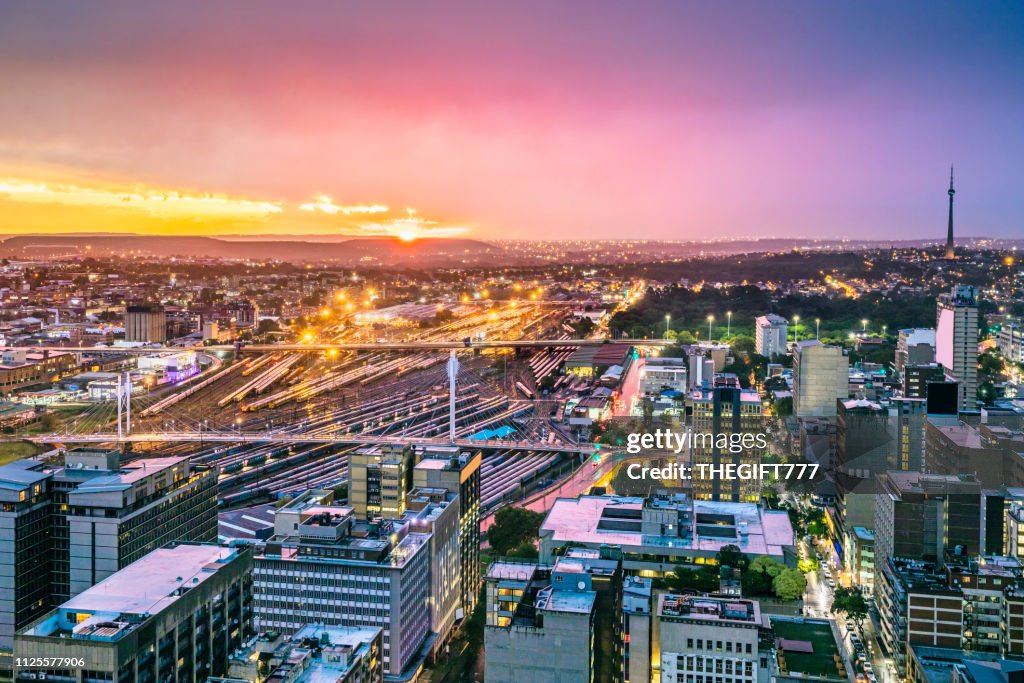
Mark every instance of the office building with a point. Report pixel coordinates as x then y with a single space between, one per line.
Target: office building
71 526
457 471
335 569
174 615
916 606
314 654
707 639
556 624
1010 340
981 581
859 557
907 424
820 377
636 629
380 476
145 323
657 533
914 346
21 368
864 444
771 335
927 516
956 342
917 377
952 447
661 374
726 420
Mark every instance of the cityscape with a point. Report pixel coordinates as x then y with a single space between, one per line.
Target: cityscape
366 344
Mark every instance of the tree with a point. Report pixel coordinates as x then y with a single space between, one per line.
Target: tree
732 556
851 602
525 550
699 580
783 407
769 566
756 583
647 407
512 528
790 584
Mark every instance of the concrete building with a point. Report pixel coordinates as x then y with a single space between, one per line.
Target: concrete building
1010 340
982 581
20 368
67 527
657 533
457 471
956 342
337 570
314 654
771 335
725 409
145 323
917 377
174 615
554 625
379 478
916 606
952 447
636 629
707 639
859 557
863 448
926 516
660 374
914 346
820 377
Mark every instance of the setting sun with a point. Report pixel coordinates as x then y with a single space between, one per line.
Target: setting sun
407 235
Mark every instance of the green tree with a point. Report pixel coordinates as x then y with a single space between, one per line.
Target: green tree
756 583
732 556
700 580
512 528
851 602
790 584
525 550
769 566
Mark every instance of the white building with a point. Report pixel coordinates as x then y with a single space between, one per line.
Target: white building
771 333
956 342
915 346
708 639
820 377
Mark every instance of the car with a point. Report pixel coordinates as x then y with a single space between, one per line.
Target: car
868 669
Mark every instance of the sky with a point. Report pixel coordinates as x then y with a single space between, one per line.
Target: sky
526 119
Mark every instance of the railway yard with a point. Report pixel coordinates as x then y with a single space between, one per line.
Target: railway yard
384 394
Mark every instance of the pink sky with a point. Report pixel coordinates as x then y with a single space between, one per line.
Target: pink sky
572 119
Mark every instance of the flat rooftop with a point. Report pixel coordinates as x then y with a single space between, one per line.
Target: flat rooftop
709 609
129 597
767 532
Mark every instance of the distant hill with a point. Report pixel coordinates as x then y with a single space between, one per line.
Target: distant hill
365 251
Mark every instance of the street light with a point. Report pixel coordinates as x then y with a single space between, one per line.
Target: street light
796 328
711 319
728 323
864 325
668 319
817 328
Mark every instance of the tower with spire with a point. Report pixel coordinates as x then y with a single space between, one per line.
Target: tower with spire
950 252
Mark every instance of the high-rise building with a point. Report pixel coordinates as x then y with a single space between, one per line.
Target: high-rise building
1011 341
636 629
820 377
956 342
926 516
457 471
74 525
559 623
916 378
338 570
380 476
174 615
701 637
771 334
145 323
726 419
863 448
914 346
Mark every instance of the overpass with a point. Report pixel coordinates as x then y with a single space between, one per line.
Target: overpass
273 437
356 346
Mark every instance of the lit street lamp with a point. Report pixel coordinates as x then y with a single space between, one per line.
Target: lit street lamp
796 328
728 323
817 328
711 319
864 325
668 319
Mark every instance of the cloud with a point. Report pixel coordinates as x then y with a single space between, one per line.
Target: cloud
324 204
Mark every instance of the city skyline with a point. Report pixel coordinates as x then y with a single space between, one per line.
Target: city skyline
665 121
